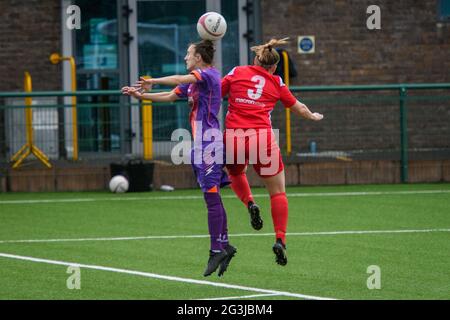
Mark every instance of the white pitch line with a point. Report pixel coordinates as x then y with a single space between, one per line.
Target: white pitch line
243 297
320 233
164 277
290 195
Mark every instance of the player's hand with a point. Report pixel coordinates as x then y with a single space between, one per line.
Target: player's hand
133 92
317 116
125 90
144 84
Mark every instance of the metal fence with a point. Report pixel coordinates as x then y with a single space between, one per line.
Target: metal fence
375 122
397 122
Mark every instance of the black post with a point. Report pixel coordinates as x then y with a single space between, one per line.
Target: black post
403 136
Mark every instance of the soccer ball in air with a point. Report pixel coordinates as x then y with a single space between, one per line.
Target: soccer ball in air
211 26
118 184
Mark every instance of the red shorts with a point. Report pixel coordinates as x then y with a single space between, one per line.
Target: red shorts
257 147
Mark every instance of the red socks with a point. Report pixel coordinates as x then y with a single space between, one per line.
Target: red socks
240 186
278 202
279 205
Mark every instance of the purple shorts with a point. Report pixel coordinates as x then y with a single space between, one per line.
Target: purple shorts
209 175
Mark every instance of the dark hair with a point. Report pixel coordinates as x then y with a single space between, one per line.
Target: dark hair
205 49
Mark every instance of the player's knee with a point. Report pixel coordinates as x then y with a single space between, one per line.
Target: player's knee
275 184
277 191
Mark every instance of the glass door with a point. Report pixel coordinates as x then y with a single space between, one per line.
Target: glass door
97 57
164 29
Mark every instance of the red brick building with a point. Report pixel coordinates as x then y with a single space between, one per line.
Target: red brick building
121 39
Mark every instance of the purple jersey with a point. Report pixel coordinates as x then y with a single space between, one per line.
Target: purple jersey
204 98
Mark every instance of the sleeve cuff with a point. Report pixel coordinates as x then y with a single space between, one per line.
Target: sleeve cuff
178 91
290 104
197 75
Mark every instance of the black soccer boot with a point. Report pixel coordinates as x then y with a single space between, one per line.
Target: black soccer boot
215 259
231 251
279 248
255 217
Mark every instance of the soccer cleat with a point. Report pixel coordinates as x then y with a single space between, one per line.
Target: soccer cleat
215 259
280 252
255 217
231 251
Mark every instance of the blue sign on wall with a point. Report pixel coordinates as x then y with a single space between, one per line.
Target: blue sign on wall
306 44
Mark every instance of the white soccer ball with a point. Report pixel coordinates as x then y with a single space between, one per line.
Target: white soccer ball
211 26
166 187
118 184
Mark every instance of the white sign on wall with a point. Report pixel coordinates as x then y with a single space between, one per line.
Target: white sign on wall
306 44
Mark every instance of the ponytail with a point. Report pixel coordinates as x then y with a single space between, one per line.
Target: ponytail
266 55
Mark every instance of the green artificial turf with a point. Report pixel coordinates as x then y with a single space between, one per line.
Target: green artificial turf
414 265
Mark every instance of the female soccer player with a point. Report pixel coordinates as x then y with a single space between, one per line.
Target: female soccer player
253 92
202 88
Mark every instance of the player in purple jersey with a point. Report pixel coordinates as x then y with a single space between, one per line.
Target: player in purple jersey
202 88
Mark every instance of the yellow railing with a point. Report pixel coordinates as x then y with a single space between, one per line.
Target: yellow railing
29 147
56 58
147 127
288 111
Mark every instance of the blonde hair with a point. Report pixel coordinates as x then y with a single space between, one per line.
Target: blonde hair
266 55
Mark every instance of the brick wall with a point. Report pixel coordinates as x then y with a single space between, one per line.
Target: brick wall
29 32
75 177
409 48
370 121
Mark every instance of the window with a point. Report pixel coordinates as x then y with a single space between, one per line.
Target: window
165 28
96 55
444 10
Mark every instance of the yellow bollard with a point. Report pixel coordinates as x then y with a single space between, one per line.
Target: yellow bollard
147 127
56 58
288 111
29 147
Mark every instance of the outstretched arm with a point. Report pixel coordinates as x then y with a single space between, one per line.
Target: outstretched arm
168 96
303 111
168 81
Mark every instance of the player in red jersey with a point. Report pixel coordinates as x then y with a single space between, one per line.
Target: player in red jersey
252 93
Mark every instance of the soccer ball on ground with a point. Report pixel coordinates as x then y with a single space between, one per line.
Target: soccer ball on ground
118 184
211 26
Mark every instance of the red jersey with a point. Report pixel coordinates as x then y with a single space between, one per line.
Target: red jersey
253 93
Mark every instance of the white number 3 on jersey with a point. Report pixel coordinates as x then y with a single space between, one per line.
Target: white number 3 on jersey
260 82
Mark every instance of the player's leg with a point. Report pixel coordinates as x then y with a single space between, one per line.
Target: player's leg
279 209
230 250
205 178
215 228
215 218
221 251
237 175
236 165
270 168
241 187
279 204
